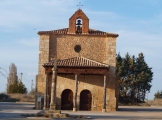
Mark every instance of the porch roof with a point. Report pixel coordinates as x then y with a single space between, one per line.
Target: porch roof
79 62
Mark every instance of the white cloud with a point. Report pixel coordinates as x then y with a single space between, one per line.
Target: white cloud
32 73
102 14
25 54
33 42
27 12
135 42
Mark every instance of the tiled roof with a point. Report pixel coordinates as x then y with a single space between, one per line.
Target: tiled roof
65 31
77 62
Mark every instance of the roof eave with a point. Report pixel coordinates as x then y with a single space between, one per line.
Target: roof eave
95 67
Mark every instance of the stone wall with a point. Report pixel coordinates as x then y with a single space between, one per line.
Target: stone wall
92 47
93 83
43 58
111 60
97 48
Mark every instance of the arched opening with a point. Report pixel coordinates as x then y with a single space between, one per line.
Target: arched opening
85 100
79 25
67 100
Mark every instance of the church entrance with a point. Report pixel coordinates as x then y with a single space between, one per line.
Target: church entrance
67 100
85 100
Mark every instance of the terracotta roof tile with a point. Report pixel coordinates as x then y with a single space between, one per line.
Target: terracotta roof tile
77 62
65 31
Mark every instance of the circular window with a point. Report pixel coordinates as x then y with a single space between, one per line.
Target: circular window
77 48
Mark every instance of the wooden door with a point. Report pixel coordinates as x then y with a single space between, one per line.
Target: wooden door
67 100
85 100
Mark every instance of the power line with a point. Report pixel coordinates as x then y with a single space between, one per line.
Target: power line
3 74
19 76
4 70
25 78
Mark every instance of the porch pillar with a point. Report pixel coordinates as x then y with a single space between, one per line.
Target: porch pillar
104 95
45 92
75 94
53 87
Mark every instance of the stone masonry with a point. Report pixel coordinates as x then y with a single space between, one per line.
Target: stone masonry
98 46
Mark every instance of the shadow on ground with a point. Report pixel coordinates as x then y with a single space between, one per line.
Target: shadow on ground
140 109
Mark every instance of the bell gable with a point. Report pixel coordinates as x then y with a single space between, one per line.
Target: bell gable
78 23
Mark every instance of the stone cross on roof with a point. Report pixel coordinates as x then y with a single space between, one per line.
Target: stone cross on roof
79 5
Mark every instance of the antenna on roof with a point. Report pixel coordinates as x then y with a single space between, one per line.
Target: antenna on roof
80 5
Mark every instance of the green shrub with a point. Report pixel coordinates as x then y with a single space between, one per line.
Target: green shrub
17 87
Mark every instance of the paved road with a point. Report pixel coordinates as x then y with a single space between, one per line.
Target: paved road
10 110
125 113
13 111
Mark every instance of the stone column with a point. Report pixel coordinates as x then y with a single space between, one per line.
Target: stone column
75 94
45 92
53 87
104 95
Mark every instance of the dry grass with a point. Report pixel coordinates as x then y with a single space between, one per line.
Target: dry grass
17 97
156 102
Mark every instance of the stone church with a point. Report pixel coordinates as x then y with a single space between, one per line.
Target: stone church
76 69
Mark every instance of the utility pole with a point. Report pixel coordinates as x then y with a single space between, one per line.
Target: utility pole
21 77
32 85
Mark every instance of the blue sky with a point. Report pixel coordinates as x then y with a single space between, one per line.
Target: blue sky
138 23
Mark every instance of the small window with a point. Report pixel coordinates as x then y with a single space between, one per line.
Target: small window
77 48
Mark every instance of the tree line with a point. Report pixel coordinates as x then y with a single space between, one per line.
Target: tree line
134 77
158 95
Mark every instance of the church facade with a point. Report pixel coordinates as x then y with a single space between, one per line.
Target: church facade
77 67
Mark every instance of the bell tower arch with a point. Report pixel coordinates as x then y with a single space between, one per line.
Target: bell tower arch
78 23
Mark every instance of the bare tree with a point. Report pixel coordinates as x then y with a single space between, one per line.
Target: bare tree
12 77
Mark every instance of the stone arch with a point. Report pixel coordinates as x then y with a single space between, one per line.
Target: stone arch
67 100
85 100
85 22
